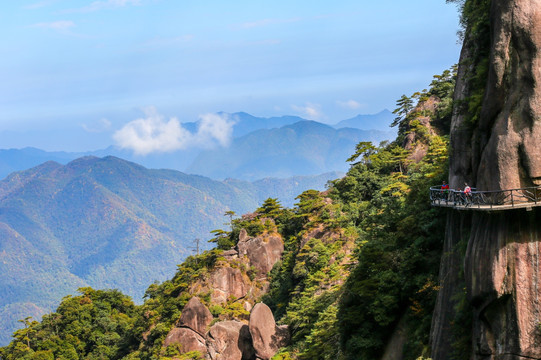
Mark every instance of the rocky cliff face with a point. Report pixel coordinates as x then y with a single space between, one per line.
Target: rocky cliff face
239 278
502 150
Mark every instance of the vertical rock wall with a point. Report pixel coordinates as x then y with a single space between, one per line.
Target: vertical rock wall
509 153
501 266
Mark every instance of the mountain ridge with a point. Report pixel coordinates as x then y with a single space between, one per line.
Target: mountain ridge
379 121
303 148
19 159
110 223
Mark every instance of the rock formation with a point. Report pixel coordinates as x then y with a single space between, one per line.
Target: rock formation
501 151
193 325
267 338
195 316
229 340
262 252
225 282
228 282
230 278
188 340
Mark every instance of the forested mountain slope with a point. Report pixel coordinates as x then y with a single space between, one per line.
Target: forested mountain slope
109 223
368 269
357 274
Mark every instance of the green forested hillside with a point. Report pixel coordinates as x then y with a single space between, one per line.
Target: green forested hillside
358 276
108 223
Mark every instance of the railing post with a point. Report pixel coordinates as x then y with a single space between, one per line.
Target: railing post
512 201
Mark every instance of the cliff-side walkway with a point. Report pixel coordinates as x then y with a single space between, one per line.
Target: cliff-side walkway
486 200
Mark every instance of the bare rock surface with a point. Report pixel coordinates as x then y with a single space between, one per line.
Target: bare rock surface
502 151
262 251
195 316
510 155
229 340
503 277
225 282
267 338
188 340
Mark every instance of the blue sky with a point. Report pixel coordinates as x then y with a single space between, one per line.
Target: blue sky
75 72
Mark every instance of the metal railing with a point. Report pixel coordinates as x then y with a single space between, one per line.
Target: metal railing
485 199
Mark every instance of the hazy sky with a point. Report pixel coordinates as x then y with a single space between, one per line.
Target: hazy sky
75 72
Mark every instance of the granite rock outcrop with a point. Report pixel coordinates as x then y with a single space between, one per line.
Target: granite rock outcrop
230 284
267 338
262 252
187 339
500 266
243 272
195 316
229 340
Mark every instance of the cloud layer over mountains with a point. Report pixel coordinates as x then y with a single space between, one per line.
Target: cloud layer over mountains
154 134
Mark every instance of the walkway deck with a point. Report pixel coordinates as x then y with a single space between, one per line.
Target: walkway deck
526 198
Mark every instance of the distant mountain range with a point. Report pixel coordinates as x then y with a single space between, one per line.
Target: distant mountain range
69 220
380 121
110 223
261 147
302 148
246 123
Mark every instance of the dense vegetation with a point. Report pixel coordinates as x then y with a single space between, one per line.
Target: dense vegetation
382 202
93 325
360 260
109 223
475 32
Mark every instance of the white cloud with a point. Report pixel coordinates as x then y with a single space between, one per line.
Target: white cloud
349 104
154 134
61 25
99 126
106 4
214 127
310 111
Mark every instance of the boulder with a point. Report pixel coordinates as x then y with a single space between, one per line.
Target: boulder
267 338
262 251
188 340
229 340
196 316
225 282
